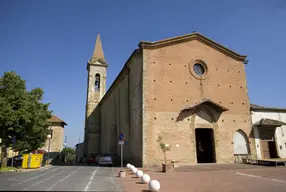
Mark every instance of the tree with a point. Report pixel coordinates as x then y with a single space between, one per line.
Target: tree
22 115
164 147
69 154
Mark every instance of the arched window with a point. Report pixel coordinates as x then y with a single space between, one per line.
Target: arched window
97 82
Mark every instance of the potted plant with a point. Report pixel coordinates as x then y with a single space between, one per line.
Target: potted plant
166 167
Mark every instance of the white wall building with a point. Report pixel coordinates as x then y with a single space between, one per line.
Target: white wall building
269 131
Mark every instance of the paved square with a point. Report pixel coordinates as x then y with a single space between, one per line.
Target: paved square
212 177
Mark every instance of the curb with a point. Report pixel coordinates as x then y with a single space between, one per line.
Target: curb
31 170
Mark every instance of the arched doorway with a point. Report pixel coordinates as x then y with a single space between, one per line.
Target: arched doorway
240 145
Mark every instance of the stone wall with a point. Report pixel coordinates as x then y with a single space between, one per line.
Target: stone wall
94 96
57 140
120 111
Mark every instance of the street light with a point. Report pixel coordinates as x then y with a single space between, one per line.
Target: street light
49 138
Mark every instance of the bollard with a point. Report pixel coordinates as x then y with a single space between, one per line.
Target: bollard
121 173
154 185
134 170
139 173
128 165
145 178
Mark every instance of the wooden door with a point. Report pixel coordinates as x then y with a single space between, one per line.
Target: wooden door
265 150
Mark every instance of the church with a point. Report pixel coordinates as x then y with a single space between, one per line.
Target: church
189 89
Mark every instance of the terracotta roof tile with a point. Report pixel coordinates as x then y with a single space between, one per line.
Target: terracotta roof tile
254 107
55 119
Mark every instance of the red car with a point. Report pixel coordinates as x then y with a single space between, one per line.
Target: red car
92 159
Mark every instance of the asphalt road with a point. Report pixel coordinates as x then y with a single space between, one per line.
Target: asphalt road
61 178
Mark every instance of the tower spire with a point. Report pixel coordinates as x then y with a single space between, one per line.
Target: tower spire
98 51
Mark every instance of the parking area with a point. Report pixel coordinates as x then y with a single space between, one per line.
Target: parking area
212 177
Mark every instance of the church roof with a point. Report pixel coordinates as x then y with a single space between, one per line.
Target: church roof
98 55
189 37
55 119
98 51
254 107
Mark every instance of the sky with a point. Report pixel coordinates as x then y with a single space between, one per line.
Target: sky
48 43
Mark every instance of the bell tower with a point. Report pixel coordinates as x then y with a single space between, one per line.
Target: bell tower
96 88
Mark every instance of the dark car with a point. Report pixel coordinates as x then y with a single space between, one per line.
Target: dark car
91 159
17 161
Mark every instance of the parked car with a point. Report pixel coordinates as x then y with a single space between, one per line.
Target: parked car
91 159
104 159
17 161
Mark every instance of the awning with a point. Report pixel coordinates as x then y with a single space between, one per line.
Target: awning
209 103
269 122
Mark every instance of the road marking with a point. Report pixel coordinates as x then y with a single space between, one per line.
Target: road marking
90 180
43 169
62 179
259 177
48 178
37 176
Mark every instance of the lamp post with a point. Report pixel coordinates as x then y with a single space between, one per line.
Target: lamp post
49 138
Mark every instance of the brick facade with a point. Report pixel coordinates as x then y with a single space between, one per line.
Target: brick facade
157 82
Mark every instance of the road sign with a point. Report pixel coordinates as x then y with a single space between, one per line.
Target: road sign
121 142
121 136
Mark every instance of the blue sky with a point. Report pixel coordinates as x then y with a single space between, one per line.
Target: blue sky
48 43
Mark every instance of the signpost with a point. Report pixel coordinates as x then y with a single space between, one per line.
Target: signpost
13 142
121 143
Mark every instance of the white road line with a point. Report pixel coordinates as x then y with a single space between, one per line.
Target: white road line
48 178
90 180
259 177
45 168
62 179
44 180
36 176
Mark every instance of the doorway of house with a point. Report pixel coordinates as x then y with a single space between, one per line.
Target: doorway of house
205 145
272 149
269 149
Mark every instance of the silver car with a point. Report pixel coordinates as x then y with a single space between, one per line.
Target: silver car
105 159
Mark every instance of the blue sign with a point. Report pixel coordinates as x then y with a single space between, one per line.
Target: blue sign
126 142
121 136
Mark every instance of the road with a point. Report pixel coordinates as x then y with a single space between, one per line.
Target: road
61 178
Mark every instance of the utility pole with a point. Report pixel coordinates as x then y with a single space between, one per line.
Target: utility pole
66 142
